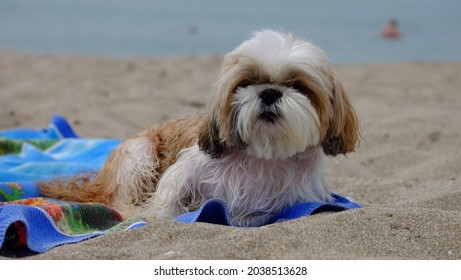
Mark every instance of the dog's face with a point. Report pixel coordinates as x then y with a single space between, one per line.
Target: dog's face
277 97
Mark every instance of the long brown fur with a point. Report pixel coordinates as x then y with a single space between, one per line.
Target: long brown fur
168 139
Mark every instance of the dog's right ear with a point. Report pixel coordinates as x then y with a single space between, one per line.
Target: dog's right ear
209 140
217 132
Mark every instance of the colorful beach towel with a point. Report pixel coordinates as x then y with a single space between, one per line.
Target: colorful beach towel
33 224
30 223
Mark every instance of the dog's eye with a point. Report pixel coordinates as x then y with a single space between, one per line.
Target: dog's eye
243 84
300 87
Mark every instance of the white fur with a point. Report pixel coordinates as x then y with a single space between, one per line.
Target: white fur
136 174
292 133
254 189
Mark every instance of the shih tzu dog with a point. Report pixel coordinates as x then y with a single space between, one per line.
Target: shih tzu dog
276 110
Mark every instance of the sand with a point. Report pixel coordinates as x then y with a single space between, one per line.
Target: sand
406 172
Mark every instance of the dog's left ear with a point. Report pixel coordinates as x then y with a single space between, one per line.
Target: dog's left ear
343 134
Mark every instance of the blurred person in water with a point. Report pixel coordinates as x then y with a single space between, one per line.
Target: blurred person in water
391 31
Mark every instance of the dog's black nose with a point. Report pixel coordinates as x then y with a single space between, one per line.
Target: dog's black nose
270 95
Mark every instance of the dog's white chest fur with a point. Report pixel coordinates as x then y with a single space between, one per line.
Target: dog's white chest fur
253 189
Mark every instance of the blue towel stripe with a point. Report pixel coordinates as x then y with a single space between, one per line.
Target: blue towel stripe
41 232
215 211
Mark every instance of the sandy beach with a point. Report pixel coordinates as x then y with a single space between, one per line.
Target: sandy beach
406 172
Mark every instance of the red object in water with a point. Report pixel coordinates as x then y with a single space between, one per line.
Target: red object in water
391 31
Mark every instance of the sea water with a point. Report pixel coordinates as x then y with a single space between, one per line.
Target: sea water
348 30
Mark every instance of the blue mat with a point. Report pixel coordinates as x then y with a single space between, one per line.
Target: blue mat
215 211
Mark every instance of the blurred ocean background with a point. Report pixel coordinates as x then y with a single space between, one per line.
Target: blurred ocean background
348 30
